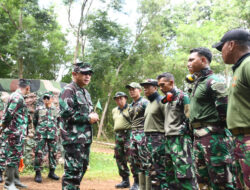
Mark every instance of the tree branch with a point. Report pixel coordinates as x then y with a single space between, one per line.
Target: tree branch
10 17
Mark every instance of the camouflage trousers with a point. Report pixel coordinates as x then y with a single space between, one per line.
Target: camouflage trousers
14 150
122 141
157 159
214 157
242 161
3 152
180 163
75 166
138 150
39 153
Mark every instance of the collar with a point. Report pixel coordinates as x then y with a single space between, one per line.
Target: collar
19 92
237 64
78 87
121 109
134 102
205 72
153 96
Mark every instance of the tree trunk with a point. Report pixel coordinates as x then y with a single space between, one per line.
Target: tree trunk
104 114
20 68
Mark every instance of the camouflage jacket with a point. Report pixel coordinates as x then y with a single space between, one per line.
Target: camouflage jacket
75 106
136 112
15 117
45 122
209 99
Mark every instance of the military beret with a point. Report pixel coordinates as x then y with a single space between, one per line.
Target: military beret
152 82
120 94
82 67
133 85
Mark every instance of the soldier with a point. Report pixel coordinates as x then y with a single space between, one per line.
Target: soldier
122 128
212 141
76 111
235 48
15 122
180 164
138 152
155 136
45 123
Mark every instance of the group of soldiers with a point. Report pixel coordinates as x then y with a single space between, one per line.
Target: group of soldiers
180 141
14 129
195 140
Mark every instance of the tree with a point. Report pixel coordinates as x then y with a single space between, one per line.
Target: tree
32 39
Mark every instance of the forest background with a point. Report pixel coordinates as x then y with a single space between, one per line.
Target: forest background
33 44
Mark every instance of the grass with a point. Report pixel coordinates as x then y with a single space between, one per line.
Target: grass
102 166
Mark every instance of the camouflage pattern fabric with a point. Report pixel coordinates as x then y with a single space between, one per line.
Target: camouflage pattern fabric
76 163
138 150
242 161
122 153
39 86
213 150
76 132
157 161
15 119
180 163
3 139
39 152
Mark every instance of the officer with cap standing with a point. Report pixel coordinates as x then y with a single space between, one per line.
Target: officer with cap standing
122 128
212 141
138 152
77 116
45 123
235 48
15 122
155 135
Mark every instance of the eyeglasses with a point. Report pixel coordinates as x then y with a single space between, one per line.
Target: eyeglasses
86 73
46 97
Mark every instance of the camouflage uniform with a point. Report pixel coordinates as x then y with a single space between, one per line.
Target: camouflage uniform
3 139
212 142
155 137
76 132
180 163
138 152
122 128
15 119
45 123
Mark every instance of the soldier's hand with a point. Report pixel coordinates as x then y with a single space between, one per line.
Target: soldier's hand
93 117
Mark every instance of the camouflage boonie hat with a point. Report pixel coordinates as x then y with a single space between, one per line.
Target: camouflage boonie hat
152 82
82 67
120 94
24 82
133 85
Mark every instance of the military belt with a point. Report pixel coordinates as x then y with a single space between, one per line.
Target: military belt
137 128
240 131
154 133
198 125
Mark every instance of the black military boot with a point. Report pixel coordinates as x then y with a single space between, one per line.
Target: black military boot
1 176
124 184
52 174
17 179
38 177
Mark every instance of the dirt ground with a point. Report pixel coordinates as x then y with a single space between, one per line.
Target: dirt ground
48 184
86 184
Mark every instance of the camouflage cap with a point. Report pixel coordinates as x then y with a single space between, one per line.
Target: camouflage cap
152 82
23 82
82 67
120 94
133 85
48 94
